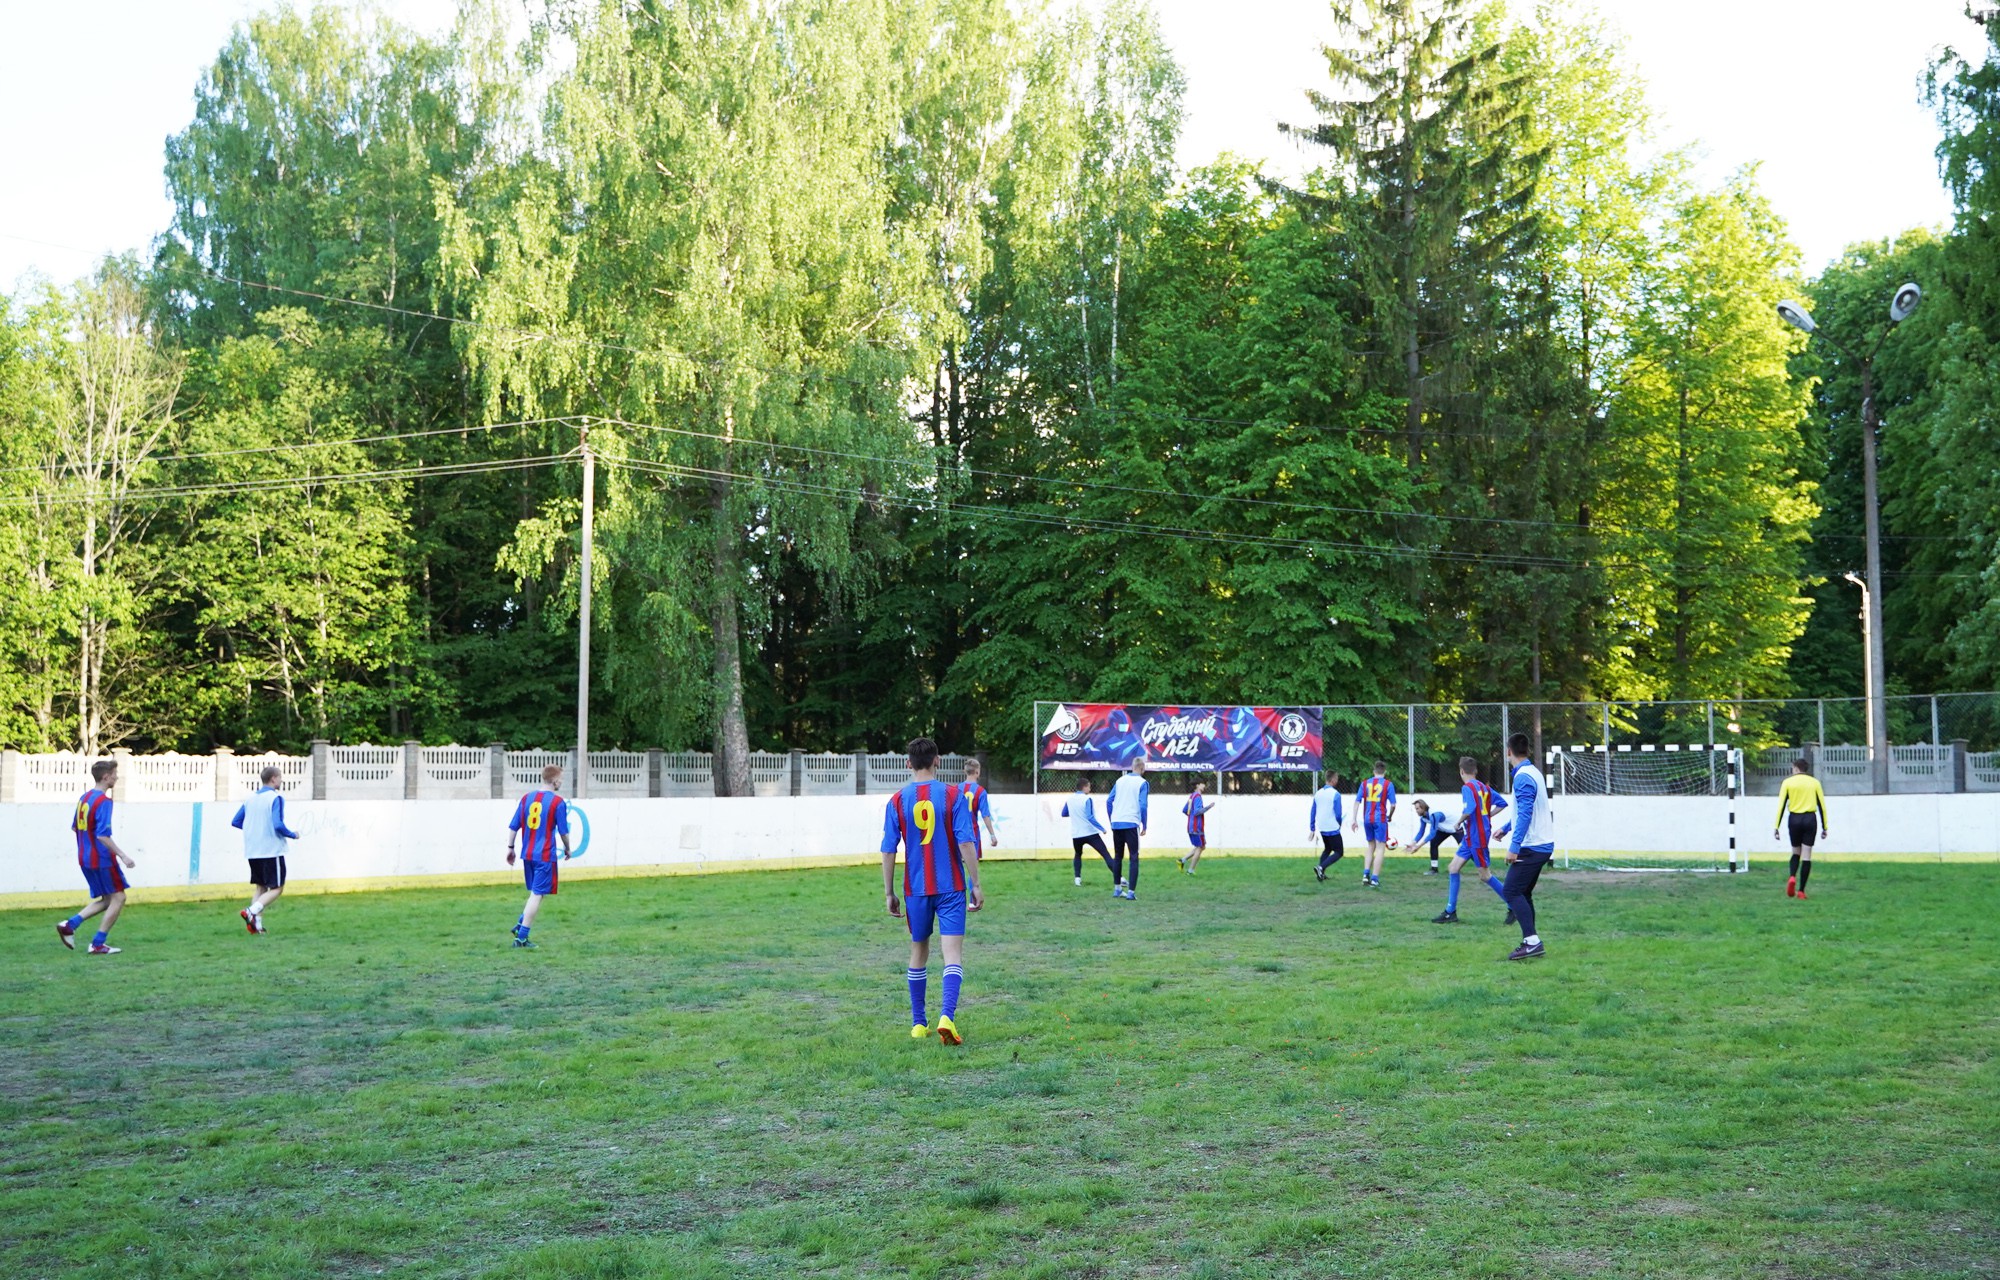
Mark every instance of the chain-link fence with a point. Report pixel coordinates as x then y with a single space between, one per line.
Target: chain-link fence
1940 742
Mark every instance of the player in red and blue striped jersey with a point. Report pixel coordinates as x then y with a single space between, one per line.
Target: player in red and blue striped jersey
931 823
1475 836
1374 806
541 820
979 801
1196 809
98 856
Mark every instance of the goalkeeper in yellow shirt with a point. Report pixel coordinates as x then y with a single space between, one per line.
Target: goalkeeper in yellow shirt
1802 806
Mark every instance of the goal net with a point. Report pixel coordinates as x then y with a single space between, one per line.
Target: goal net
1647 808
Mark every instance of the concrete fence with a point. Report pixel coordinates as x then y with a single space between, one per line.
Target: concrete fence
413 771
189 847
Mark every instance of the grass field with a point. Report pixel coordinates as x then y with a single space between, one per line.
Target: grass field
1243 1074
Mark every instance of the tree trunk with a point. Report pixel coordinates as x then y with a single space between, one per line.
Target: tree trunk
732 735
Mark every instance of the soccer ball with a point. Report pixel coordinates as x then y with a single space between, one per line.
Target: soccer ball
1395 843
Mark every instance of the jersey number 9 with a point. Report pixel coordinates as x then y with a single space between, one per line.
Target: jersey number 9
924 814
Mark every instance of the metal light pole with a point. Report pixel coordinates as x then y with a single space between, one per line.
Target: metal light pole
1900 306
579 784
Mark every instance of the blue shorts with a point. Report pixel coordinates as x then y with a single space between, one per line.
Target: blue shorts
104 881
944 910
1480 856
541 876
1377 832
1199 839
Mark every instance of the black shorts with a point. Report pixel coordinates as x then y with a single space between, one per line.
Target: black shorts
1804 829
268 873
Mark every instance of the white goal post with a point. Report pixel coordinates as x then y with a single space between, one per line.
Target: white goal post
1648 807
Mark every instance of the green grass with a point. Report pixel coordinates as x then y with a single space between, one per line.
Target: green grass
1245 1074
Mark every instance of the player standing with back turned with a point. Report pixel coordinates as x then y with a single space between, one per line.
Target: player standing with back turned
1127 807
540 817
261 819
1803 801
1325 823
932 825
1374 807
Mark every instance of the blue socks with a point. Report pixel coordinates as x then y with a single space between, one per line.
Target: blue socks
953 975
97 939
919 980
1494 883
520 931
74 921
1451 899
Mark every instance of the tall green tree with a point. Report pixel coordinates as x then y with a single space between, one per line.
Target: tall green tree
714 214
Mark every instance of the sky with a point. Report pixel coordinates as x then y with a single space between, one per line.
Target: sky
1823 93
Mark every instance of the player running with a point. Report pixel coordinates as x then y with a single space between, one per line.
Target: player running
1431 829
1801 801
1374 808
1531 846
1126 806
931 823
261 819
98 856
978 801
1324 822
1085 831
1196 809
539 819
1475 837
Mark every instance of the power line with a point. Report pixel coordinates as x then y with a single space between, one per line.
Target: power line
272 484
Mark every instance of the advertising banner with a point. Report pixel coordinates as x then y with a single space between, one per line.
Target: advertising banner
1104 735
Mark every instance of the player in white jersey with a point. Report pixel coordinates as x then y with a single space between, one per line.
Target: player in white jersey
1085 831
1532 844
261 819
1328 807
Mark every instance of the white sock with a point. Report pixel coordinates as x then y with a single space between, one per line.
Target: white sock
1532 940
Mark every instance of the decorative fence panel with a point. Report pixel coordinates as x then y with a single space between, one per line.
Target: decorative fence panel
455 773
770 773
1982 771
827 775
166 778
524 769
61 775
1920 768
364 773
887 772
687 774
246 775
617 775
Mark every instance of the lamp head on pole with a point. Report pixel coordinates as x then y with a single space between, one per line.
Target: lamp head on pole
1794 313
1855 578
1904 302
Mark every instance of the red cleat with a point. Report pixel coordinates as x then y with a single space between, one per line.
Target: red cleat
1802 896
66 934
248 921
1792 887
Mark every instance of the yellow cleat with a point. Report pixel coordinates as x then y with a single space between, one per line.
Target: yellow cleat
919 1032
948 1031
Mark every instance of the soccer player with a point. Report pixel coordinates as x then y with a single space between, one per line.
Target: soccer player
98 855
1530 847
1430 830
931 823
261 819
1325 823
1803 802
1085 831
541 817
1126 807
1196 809
1374 808
977 800
1475 837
